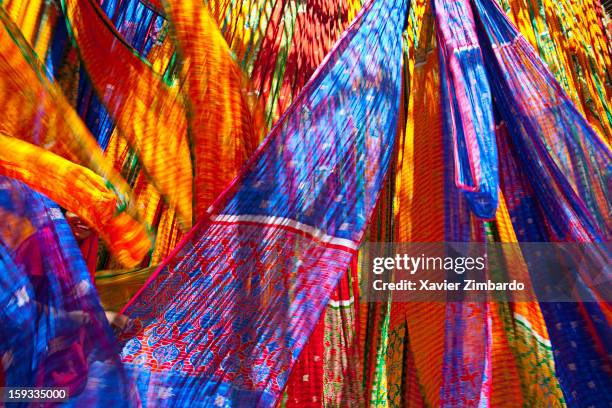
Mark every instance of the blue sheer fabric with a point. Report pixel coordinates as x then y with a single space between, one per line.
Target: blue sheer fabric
53 330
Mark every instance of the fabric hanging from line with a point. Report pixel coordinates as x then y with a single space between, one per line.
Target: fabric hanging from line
412 362
432 336
150 39
308 32
275 244
297 37
530 321
468 108
225 122
557 146
145 32
150 115
418 345
577 331
548 204
54 331
296 40
570 38
79 190
244 24
466 359
48 121
323 373
144 86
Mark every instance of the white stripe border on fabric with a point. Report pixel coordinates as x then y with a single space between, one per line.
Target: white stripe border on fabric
342 303
287 222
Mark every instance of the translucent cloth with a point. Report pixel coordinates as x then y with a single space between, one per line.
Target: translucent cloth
53 330
224 319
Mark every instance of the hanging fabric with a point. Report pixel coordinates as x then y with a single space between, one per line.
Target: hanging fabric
54 331
276 242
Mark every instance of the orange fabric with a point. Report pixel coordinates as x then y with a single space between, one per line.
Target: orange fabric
36 20
36 111
149 114
420 215
79 190
224 121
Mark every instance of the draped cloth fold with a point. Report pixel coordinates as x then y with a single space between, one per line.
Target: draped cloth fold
37 113
468 106
556 175
150 114
35 110
54 331
569 162
78 190
224 118
226 316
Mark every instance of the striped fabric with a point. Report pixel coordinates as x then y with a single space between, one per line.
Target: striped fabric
468 106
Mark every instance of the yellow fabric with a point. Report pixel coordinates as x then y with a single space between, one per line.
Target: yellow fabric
36 111
116 287
36 20
149 114
571 40
244 23
224 121
79 190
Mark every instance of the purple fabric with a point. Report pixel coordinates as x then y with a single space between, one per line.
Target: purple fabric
53 331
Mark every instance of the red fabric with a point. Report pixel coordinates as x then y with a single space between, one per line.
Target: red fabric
89 249
305 385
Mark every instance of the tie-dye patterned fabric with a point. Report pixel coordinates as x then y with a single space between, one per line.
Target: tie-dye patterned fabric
54 331
275 244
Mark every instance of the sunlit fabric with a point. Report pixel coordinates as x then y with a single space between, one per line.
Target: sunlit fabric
556 144
582 345
571 38
152 107
325 361
275 244
54 332
36 21
49 122
46 120
280 43
468 105
78 190
419 200
151 116
489 349
146 31
296 39
224 120
543 163
466 362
